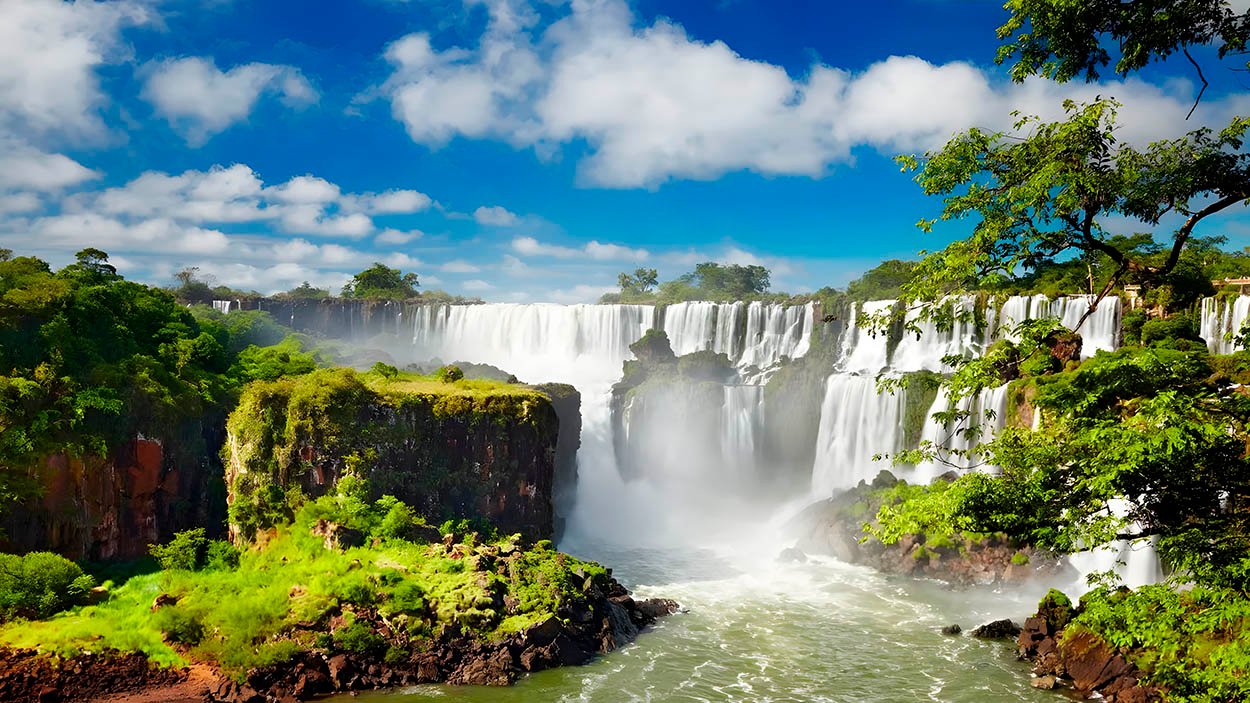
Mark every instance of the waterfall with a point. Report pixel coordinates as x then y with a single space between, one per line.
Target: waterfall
865 351
691 326
1101 331
1221 320
986 415
750 334
924 352
528 337
856 423
741 417
222 306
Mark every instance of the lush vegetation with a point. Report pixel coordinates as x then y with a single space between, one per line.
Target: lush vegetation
39 584
305 591
1150 440
381 281
708 281
88 359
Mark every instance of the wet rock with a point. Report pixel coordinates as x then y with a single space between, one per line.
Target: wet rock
1046 682
653 609
792 555
997 630
952 630
336 536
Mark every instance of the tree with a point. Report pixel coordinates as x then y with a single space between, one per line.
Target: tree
1061 39
381 281
640 282
1046 195
306 290
191 287
882 282
728 282
1043 192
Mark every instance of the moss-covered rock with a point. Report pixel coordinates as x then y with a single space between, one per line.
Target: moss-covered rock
451 449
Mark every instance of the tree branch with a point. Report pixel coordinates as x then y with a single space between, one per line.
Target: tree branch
1201 78
1182 235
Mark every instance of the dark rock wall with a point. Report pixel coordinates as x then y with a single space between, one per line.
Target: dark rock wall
449 457
113 507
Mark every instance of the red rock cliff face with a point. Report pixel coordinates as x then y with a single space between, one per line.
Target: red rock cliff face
113 507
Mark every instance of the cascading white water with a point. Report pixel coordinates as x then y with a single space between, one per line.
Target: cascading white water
984 416
222 306
750 334
924 351
864 350
1100 331
740 423
585 345
856 423
776 331
1221 320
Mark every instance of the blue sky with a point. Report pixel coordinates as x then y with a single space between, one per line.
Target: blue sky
509 149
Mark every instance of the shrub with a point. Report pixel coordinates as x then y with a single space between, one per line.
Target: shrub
398 521
180 626
385 370
185 551
190 550
357 638
1175 327
40 584
450 374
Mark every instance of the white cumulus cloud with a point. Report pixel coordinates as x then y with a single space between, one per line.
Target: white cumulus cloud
495 216
200 100
653 104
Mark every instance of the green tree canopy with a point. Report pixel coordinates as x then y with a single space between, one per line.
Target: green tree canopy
1049 194
882 282
381 281
1065 39
307 290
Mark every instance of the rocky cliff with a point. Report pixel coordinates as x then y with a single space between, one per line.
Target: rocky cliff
451 450
113 507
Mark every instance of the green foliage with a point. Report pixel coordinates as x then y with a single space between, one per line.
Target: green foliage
39 584
450 374
88 360
350 420
1041 199
1162 332
190 550
708 281
269 363
637 286
653 347
381 281
357 638
1195 643
265 611
1062 40
307 292
882 282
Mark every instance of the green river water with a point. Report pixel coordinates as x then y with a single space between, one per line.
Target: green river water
760 631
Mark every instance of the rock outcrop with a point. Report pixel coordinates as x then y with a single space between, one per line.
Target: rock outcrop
610 620
1071 657
113 507
450 454
29 677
